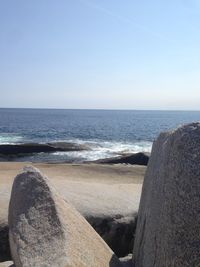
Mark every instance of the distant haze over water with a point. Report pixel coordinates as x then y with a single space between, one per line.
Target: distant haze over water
106 132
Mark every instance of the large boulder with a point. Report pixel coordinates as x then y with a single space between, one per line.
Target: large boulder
118 231
168 232
45 230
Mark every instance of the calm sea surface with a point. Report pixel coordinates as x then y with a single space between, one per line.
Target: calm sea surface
106 132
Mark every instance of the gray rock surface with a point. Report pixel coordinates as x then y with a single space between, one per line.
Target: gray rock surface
109 209
45 230
168 228
4 243
117 231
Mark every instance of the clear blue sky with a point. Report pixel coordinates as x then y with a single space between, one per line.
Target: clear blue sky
110 54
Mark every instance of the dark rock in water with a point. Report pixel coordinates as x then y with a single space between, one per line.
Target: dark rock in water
66 146
38 148
168 228
45 230
4 242
137 159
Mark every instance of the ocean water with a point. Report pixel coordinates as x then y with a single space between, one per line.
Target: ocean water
106 132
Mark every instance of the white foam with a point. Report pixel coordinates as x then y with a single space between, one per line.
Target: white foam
106 149
98 149
8 138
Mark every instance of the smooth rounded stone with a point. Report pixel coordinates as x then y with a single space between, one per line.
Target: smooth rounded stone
45 230
7 264
168 228
4 243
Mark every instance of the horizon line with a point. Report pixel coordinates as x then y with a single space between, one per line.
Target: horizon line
100 109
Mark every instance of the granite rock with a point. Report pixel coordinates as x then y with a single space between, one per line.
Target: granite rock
45 230
168 232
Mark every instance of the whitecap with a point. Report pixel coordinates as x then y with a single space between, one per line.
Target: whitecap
104 149
9 138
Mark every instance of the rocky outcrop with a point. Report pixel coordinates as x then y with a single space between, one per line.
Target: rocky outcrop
118 231
167 231
15 149
133 159
45 230
4 243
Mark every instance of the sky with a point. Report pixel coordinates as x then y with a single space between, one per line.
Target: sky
100 54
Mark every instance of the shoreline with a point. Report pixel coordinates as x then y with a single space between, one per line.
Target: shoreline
77 151
67 152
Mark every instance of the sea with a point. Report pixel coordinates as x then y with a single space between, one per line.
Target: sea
107 133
